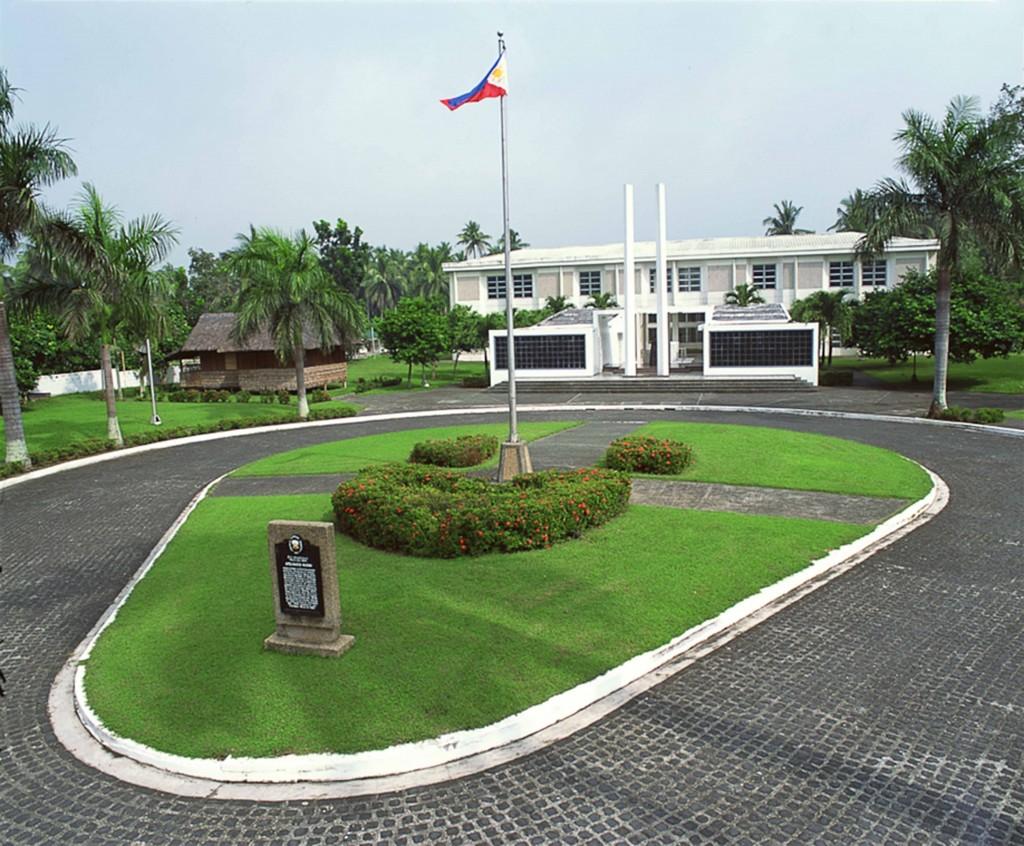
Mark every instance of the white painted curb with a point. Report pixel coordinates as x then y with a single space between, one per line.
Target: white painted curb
497 409
450 755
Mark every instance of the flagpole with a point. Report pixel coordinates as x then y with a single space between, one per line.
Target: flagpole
513 430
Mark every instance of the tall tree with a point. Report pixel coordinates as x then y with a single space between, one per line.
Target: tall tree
854 213
474 240
31 158
743 295
118 298
343 254
783 222
429 279
832 313
385 279
515 243
212 284
414 332
966 175
286 291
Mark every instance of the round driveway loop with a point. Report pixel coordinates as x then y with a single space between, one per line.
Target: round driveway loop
885 707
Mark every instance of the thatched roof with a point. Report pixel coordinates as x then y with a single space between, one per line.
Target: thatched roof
213 333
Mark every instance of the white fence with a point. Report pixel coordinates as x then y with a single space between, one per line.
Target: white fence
92 380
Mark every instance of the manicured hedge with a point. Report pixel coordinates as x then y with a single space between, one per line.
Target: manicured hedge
463 451
422 511
973 415
644 454
833 378
93 446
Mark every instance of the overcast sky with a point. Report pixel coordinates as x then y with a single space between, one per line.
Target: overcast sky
218 115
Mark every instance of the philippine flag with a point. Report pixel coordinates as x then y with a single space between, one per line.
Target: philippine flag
495 84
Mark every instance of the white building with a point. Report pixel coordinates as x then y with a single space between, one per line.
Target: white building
699 273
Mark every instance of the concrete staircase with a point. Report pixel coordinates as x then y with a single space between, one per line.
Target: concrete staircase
657 385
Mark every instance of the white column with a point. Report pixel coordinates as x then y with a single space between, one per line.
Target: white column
628 292
662 317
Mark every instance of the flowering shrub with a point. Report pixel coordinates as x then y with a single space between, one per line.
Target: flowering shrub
419 510
463 451
644 454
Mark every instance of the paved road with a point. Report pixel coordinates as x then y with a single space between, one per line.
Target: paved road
887 707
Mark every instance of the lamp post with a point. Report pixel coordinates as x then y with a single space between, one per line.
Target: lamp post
155 419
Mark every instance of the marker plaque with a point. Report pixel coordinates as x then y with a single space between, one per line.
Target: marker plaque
305 583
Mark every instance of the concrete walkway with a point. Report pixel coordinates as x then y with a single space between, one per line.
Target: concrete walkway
585 446
885 708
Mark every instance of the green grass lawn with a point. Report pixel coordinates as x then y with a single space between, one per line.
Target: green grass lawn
1016 415
381 366
985 375
352 454
440 645
61 421
748 455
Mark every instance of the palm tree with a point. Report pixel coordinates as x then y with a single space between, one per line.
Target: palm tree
854 213
384 280
784 220
832 313
117 297
31 158
967 179
556 304
743 295
429 279
515 243
287 292
602 299
474 240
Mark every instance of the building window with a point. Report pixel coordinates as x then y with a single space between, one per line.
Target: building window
543 352
590 283
522 286
766 348
688 278
763 275
873 273
689 328
668 278
840 274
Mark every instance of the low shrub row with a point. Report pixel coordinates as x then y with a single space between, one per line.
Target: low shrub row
644 454
419 510
475 382
463 451
93 446
973 415
362 385
834 378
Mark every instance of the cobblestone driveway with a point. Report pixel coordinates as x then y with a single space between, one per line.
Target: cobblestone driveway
887 707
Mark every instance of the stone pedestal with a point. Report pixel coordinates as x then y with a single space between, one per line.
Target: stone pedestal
514 460
304 576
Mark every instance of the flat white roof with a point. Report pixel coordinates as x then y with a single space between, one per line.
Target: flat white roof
694 249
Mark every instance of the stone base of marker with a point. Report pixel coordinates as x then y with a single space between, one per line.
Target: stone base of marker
304 576
514 460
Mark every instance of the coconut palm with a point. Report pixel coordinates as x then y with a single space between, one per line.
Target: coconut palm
384 280
429 279
743 295
854 213
286 292
556 304
784 220
602 299
31 158
515 243
116 297
832 313
966 178
474 241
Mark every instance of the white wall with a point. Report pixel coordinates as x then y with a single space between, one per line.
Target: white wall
82 381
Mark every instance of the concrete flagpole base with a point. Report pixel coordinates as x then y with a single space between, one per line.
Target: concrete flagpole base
514 460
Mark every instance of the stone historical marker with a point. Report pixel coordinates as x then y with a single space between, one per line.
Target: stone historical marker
305 579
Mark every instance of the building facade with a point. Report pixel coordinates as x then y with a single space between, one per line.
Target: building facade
699 273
